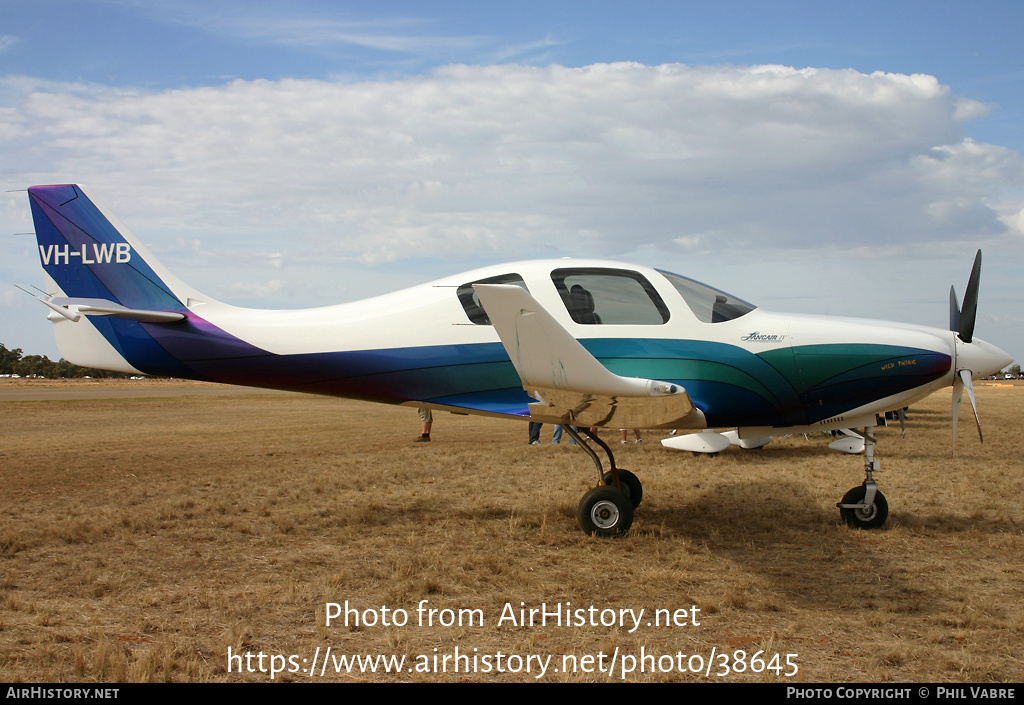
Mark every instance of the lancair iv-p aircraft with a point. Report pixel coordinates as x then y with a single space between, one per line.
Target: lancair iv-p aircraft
582 343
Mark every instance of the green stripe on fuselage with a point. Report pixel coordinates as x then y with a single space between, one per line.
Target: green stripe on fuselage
696 360
810 366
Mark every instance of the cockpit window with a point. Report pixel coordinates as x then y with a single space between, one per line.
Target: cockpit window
471 303
595 296
708 304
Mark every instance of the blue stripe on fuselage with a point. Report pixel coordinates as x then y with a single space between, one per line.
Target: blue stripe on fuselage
728 384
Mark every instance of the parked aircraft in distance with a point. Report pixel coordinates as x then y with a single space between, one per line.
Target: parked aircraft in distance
583 343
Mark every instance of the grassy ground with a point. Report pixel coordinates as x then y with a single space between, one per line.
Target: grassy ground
143 538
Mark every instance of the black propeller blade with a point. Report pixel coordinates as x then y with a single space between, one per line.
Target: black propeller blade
961 321
969 311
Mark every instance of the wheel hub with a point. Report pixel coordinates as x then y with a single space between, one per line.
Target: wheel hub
867 514
605 514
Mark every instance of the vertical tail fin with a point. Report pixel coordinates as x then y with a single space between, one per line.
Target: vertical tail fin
94 264
88 253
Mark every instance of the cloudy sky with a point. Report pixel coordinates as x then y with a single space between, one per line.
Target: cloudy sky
842 158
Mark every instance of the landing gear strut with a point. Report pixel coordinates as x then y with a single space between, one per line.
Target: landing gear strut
606 510
865 507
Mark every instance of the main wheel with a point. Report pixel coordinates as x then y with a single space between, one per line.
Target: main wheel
871 518
605 511
630 486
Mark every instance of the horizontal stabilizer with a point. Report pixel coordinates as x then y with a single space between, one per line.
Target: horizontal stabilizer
571 385
103 307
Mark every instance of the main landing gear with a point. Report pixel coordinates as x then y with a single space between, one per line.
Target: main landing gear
865 507
607 510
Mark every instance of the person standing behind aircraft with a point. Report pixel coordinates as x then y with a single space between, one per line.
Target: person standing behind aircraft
428 421
556 435
636 432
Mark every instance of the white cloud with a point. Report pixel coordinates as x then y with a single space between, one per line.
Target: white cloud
502 161
718 172
252 290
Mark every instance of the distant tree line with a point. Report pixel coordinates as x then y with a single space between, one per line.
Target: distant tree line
13 362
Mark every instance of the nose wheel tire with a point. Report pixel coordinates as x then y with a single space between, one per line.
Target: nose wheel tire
605 511
871 517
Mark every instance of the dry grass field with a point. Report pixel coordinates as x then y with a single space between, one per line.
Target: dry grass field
142 538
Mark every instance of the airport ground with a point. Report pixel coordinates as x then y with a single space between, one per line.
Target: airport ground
147 528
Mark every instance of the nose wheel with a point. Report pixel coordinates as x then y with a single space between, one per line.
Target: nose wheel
865 507
860 511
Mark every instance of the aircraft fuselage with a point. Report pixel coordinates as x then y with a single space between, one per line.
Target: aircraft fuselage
432 345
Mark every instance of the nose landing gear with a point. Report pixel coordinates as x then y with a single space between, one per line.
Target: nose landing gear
865 507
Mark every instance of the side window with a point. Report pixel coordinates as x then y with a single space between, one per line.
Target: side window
471 303
708 305
595 296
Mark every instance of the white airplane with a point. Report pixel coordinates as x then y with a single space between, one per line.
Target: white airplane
581 343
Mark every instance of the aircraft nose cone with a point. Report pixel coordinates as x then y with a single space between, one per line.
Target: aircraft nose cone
981 358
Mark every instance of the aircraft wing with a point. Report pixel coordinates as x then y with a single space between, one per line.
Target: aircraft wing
570 384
